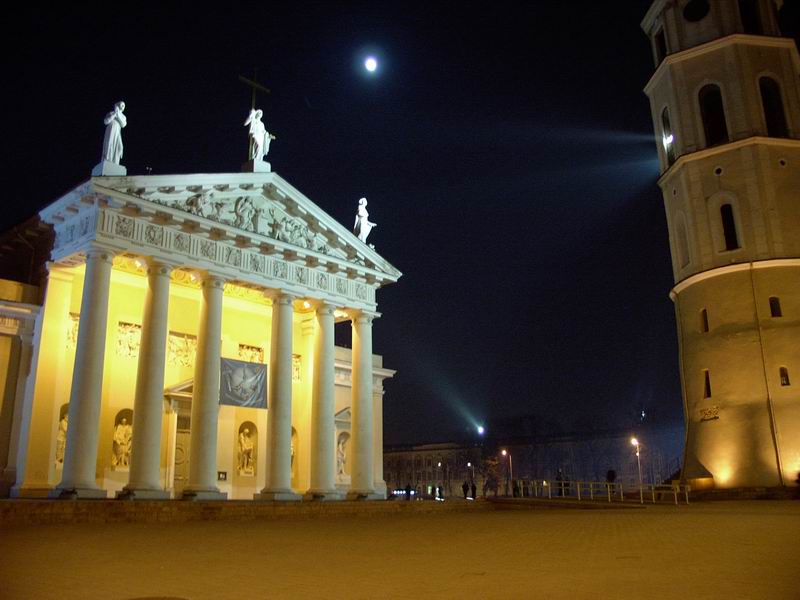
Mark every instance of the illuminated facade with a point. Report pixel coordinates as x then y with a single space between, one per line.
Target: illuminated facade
113 378
725 103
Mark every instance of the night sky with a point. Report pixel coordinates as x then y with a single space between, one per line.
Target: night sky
506 153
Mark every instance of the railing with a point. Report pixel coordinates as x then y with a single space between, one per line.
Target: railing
591 490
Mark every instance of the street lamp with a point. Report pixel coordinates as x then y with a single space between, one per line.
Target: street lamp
636 444
510 465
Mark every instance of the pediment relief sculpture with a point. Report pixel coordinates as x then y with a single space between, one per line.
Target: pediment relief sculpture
252 213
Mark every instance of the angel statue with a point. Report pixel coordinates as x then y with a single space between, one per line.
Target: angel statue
112 143
363 225
259 136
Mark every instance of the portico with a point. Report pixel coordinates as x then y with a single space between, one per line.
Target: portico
152 281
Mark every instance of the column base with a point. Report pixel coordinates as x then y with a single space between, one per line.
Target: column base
203 495
78 494
323 496
276 496
126 494
30 491
363 495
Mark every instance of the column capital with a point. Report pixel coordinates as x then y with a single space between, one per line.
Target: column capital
362 316
100 253
210 279
281 296
159 267
322 307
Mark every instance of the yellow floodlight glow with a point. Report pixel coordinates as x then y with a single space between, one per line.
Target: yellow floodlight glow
306 304
504 452
634 442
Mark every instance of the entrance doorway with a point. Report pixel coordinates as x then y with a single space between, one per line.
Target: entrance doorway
181 478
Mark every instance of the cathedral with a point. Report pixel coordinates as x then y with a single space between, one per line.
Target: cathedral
725 104
181 342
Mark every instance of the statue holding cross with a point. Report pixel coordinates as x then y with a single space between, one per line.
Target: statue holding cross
259 136
257 132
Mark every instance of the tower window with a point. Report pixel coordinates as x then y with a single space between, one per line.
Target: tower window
774 115
696 10
660 42
707 384
704 321
751 20
729 227
668 138
713 114
785 376
683 242
775 307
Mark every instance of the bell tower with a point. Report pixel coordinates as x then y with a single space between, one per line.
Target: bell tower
725 102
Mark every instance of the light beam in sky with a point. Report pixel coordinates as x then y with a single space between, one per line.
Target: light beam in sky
371 64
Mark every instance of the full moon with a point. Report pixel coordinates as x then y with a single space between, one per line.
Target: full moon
371 64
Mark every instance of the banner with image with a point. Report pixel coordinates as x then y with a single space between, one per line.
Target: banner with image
242 383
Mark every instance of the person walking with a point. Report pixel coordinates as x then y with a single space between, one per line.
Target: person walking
465 488
474 490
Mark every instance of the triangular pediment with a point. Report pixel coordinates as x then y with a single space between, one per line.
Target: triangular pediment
182 389
343 416
255 204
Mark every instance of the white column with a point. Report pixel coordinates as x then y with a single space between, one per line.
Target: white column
323 408
80 457
144 480
279 409
362 481
205 396
25 355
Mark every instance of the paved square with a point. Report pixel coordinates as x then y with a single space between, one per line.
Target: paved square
711 550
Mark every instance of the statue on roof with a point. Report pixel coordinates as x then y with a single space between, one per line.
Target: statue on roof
363 225
112 143
259 136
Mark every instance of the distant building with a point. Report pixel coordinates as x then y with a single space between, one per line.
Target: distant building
579 457
725 103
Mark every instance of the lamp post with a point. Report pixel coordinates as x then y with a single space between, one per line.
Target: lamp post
510 467
636 444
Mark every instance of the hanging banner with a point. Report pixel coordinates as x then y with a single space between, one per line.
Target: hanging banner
242 383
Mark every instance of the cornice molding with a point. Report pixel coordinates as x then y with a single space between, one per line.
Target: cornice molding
761 41
727 269
756 140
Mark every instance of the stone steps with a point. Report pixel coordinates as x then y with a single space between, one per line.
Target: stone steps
38 512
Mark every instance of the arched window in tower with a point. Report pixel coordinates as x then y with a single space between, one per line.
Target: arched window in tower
706 384
771 101
667 137
775 307
784 372
751 19
713 113
729 227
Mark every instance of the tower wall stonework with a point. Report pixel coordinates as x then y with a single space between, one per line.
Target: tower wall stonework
740 362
